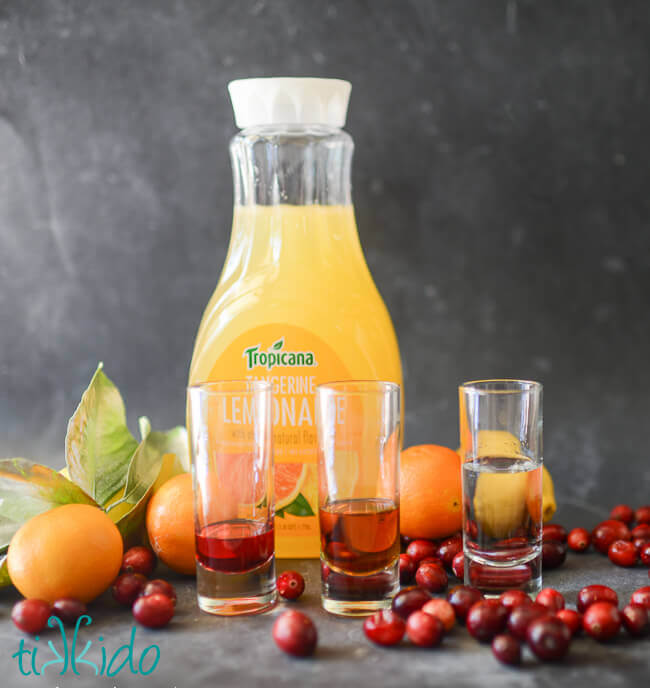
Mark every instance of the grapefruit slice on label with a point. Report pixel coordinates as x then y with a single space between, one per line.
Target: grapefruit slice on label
289 478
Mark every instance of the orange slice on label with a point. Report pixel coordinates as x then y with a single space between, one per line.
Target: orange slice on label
289 478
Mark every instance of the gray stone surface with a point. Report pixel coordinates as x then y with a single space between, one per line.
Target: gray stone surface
199 651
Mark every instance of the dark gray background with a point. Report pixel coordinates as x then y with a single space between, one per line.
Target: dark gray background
500 183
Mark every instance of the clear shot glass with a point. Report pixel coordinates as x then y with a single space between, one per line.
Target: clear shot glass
358 425
231 442
501 452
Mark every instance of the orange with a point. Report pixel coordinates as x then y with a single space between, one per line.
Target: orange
71 551
170 524
289 478
430 492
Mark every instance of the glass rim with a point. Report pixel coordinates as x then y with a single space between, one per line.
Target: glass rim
510 386
221 387
364 387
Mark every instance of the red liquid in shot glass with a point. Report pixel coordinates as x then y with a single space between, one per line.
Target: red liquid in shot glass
235 546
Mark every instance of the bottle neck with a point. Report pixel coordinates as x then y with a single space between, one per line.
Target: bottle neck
292 165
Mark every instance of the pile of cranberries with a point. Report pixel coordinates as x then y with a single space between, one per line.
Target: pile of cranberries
152 602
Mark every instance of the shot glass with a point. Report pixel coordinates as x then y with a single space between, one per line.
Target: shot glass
358 425
231 441
501 452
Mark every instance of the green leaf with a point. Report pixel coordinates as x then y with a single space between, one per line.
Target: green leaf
28 489
98 444
280 513
278 345
299 507
4 572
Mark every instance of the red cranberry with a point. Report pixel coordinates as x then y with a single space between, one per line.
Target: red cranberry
641 531
549 638
419 549
430 560
622 553
522 616
635 619
571 618
458 565
551 599
290 585
642 514
604 534
31 616
408 601
138 560
554 531
443 610
153 611
461 598
641 597
579 539
513 598
69 610
486 619
622 512
424 630
128 587
639 544
449 548
295 633
406 569
553 554
160 587
602 620
384 627
595 593
431 577
644 553
506 648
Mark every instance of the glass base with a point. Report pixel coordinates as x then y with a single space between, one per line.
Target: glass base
347 608
493 578
237 605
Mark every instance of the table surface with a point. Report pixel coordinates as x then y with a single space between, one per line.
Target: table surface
199 650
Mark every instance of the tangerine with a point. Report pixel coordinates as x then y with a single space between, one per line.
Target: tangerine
70 551
430 492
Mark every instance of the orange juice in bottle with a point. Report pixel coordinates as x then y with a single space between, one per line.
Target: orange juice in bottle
296 304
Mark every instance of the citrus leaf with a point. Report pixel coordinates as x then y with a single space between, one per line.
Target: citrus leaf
4 572
299 507
28 489
98 444
278 345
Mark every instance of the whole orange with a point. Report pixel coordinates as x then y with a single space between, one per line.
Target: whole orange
430 492
71 551
170 524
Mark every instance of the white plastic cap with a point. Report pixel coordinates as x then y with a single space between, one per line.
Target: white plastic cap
285 100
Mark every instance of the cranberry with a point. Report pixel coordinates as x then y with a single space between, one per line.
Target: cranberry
622 512
602 620
295 633
551 599
641 531
554 531
406 569
384 627
644 553
458 565
506 648
513 598
431 577
642 514
522 616
430 560
635 619
31 615
579 539
639 544
424 630
128 587
641 597
408 601
604 534
290 585
138 560
549 638
461 598
571 618
622 553
153 611
419 549
449 548
595 593
485 619
69 610
160 587
553 554
443 610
